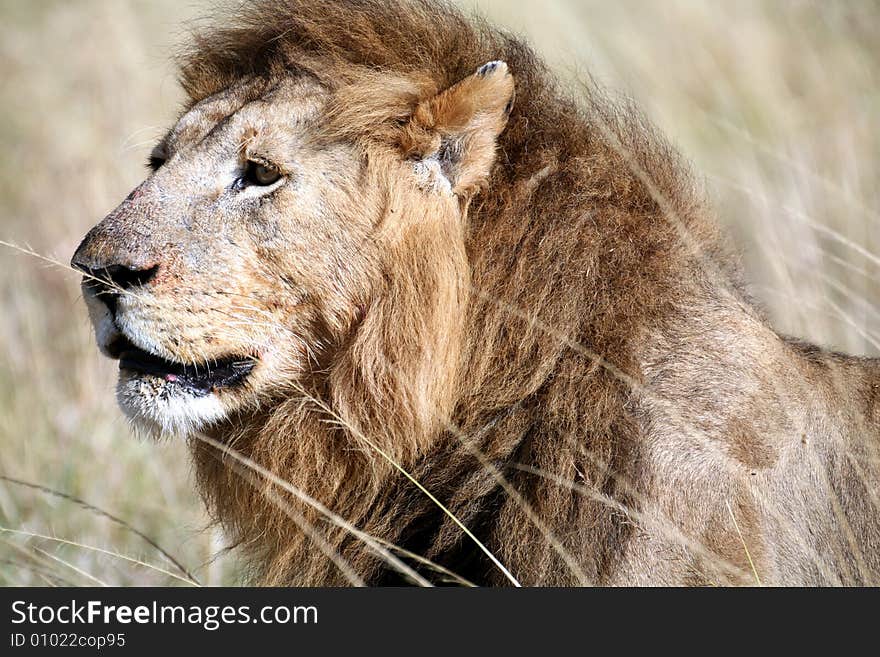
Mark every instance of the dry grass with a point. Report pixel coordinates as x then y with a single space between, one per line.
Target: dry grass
776 104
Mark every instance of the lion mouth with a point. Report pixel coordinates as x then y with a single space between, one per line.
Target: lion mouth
202 378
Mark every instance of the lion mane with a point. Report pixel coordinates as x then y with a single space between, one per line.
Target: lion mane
524 380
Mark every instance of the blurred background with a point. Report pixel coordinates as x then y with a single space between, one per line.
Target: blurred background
777 104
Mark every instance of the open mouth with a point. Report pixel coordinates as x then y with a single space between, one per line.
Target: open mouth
201 378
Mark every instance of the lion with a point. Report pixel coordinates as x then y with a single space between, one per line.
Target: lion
424 316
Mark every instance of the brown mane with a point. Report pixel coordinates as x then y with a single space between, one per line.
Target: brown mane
588 241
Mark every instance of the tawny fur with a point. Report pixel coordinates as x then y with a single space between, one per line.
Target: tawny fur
558 345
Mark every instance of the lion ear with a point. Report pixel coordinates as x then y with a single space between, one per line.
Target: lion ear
452 136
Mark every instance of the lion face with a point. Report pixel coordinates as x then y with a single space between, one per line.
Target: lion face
226 269
249 254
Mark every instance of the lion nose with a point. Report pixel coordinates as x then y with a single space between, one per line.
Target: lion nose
108 283
120 276
111 276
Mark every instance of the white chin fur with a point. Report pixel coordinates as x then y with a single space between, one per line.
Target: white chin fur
156 404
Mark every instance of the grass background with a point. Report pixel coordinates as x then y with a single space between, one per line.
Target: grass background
776 103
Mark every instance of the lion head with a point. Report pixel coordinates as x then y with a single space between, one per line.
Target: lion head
279 226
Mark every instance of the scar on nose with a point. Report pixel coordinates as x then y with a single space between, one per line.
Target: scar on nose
135 194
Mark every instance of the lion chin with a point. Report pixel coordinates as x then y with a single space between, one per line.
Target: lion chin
165 407
162 395
176 398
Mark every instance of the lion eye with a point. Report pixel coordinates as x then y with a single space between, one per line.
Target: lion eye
261 174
